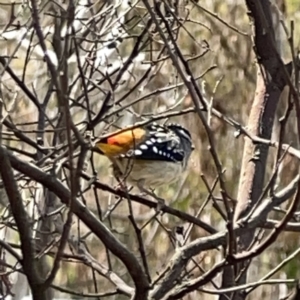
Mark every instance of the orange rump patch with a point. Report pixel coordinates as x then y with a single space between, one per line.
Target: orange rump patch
129 137
118 143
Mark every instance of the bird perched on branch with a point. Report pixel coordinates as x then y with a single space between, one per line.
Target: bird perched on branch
148 156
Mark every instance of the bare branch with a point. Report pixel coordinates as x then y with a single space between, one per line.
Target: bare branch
97 227
22 220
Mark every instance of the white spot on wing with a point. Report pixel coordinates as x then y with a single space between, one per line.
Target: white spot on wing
144 147
160 134
138 152
155 150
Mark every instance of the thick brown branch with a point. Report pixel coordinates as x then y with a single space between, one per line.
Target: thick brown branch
24 228
90 220
271 80
181 257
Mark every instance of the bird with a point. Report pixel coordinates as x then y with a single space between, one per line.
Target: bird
148 156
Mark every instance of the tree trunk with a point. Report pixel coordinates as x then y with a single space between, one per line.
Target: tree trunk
269 86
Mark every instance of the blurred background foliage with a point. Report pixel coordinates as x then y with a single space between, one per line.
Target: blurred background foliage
226 63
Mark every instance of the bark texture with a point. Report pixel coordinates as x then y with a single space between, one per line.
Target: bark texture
269 86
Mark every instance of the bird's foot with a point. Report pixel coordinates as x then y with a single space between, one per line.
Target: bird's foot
91 181
150 192
160 204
